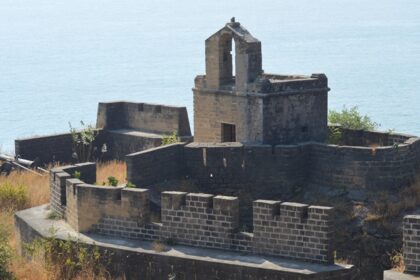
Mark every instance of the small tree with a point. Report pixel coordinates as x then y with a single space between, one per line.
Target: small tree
83 141
351 118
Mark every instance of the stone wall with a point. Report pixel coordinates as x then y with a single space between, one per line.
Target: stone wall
262 171
377 168
288 230
58 182
359 137
128 128
231 109
293 230
46 148
143 117
411 243
136 260
156 165
56 148
298 117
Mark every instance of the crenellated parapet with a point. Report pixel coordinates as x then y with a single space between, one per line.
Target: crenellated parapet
200 219
293 230
289 230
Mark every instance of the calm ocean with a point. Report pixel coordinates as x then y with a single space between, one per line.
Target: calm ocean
58 59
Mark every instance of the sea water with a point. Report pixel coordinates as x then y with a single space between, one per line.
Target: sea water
58 59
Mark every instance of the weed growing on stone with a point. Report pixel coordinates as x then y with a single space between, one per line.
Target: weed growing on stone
69 259
170 139
112 181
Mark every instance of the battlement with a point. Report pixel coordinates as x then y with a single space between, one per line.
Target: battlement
153 118
290 230
411 243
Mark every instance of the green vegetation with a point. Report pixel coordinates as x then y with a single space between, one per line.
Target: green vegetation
170 139
69 259
54 215
130 185
77 174
112 181
5 251
83 141
13 197
351 118
335 135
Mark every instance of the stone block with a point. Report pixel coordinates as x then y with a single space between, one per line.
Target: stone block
172 199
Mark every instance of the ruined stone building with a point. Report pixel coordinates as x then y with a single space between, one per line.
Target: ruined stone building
250 106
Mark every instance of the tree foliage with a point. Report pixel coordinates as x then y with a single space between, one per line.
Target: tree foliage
83 141
351 118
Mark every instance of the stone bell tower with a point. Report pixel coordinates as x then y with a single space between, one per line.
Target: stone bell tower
250 106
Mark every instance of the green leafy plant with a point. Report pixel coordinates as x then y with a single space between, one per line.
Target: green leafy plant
54 215
112 181
83 141
70 259
351 118
130 185
77 174
170 139
335 135
5 253
13 197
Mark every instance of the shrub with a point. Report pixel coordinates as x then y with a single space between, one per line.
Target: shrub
112 181
130 185
83 141
170 139
5 251
77 174
13 197
70 259
351 118
335 135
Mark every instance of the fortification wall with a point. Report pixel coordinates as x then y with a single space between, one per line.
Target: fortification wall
144 117
47 148
355 137
377 168
123 142
288 230
411 243
156 165
58 182
264 171
54 148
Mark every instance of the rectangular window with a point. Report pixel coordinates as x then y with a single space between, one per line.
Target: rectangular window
228 132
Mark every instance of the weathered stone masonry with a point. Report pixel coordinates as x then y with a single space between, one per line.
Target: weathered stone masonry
411 243
272 170
125 127
290 230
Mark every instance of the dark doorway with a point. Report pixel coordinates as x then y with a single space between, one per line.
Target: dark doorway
228 132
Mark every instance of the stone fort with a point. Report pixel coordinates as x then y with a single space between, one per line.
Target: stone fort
258 139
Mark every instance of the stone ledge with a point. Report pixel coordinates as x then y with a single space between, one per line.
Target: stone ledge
395 275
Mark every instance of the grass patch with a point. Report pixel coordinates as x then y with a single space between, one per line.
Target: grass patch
13 197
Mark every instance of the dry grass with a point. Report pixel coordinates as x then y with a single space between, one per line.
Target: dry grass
118 169
36 186
158 246
37 190
397 261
